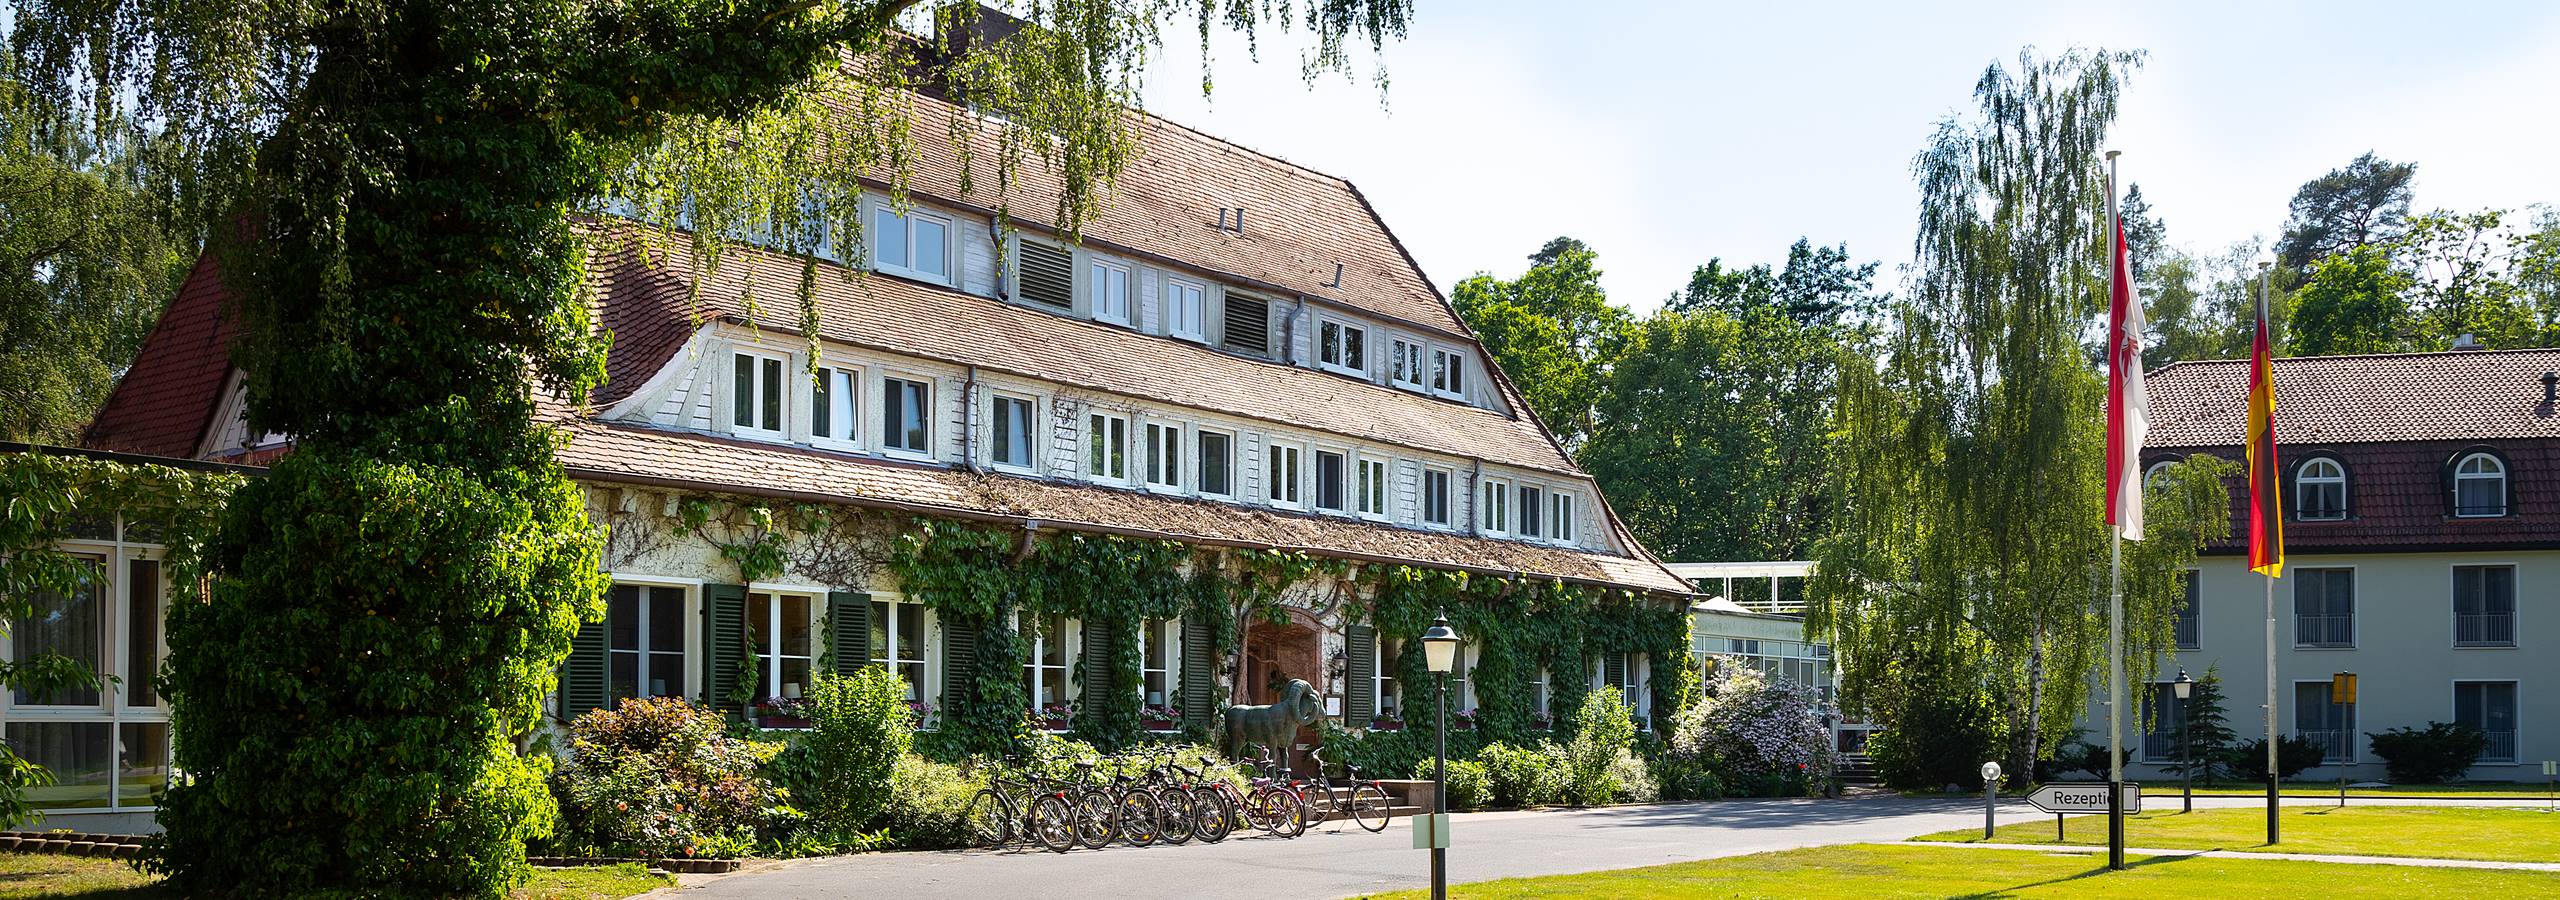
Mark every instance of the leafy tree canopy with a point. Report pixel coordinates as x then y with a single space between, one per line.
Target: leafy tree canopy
2362 203
1550 330
1817 286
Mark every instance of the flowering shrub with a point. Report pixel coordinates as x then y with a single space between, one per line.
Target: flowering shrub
661 777
920 713
788 707
1045 716
1159 712
1750 729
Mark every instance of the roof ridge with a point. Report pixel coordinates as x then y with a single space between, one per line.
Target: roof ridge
1282 161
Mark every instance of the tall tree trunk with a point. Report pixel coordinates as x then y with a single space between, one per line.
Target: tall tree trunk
2023 742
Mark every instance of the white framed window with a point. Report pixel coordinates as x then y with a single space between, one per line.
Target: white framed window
1282 481
906 415
1538 704
755 394
1435 497
901 639
1560 521
2484 606
1186 309
1532 518
2489 706
105 744
1047 671
782 627
916 244
1332 473
1449 373
645 641
1009 425
1372 487
1404 364
2151 476
1106 447
1493 504
2320 490
2480 487
1384 687
1462 682
1342 347
1164 455
1216 462
1159 661
2328 724
1107 290
2324 607
834 406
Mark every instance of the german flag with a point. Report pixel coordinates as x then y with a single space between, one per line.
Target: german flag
2266 494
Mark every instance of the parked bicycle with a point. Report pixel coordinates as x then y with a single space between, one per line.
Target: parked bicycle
1362 800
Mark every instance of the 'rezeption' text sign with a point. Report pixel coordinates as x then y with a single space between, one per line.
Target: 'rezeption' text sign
2083 798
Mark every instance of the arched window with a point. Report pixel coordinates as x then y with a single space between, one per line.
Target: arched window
2151 476
2480 486
2320 490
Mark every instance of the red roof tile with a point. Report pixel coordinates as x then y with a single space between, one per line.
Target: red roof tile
2454 395
165 402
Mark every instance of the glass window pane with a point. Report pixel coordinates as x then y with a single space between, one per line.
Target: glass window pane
841 405
931 254
917 402
1213 464
1329 336
74 753
666 619
1355 351
822 406
760 633
795 625
742 391
68 625
622 617
910 627
888 239
879 649
666 674
142 632
622 673
893 410
771 388
144 771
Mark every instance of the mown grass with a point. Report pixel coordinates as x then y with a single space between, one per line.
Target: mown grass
29 875
1868 871
2488 833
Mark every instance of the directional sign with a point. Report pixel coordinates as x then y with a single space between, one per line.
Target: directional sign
2083 798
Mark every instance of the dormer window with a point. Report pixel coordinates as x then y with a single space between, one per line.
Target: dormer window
1186 309
1530 515
916 243
1404 364
1281 482
1107 283
2320 490
1448 373
1164 456
1342 347
2480 486
755 398
1493 505
1329 480
1373 487
1560 524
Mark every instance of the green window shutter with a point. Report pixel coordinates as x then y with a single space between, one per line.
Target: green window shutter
849 615
583 685
1199 670
1360 699
724 641
959 658
1616 675
1097 663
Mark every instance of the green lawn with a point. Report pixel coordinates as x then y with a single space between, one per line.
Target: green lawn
47 875
2494 833
1869 871
2484 789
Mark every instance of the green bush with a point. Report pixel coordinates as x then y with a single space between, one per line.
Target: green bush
1604 735
1526 776
1687 777
2440 752
1470 786
661 777
928 806
2248 759
859 733
1943 731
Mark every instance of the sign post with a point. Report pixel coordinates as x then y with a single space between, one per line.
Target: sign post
2090 797
1990 795
2551 783
2342 692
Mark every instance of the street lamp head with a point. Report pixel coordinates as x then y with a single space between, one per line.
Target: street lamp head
2185 686
1440 646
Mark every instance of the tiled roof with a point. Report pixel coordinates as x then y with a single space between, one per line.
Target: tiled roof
2454 395
603 452
901 316
163 404
1298 222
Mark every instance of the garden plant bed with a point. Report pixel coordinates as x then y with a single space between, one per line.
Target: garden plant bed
676 865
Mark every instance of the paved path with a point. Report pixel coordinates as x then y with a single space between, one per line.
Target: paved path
1328 864
2428 862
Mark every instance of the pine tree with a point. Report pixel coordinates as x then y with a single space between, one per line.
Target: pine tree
2208 728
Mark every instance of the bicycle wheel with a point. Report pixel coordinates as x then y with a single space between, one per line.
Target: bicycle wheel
1278 810
1053 823
987 820
1177 815
1216 816
1139 818
1371 807
1096 818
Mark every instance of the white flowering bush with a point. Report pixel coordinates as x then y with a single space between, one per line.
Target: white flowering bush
1754 733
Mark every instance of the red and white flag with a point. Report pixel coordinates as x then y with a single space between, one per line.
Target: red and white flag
2128 406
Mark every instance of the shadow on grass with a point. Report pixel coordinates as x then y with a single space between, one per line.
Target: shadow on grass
48 884
2093 872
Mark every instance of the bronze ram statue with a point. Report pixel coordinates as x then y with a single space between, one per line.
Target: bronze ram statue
1274 726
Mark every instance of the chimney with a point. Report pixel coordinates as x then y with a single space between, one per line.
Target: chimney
2467 342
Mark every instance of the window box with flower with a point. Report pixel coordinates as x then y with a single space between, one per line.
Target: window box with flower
1541 722
1160 717
920 715
782 712
1387 721
1053 717
1462 720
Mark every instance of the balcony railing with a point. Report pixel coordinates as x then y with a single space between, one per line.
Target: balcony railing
2160 746
2502 747
2489 629
2186 633
2335 746
2324 630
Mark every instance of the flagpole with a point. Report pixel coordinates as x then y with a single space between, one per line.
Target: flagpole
2274 774
2115 589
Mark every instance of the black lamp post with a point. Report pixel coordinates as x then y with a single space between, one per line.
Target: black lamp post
2184 687
1440 653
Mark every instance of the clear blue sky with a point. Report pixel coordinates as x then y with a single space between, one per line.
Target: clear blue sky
1668 133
